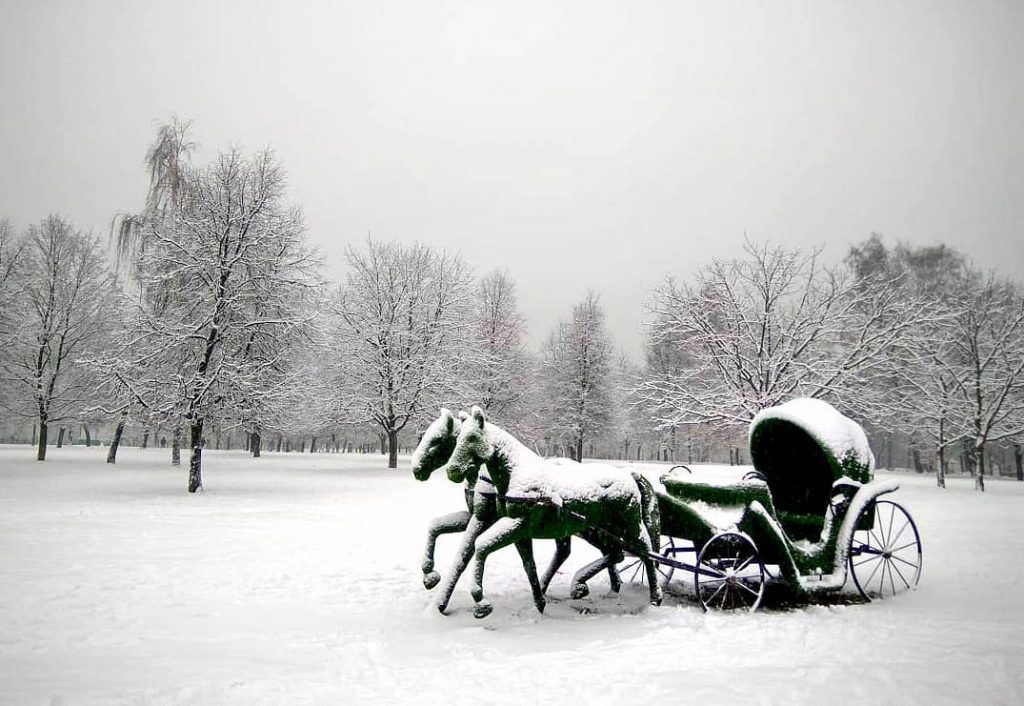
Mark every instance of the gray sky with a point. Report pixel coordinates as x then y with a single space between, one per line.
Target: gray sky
589 145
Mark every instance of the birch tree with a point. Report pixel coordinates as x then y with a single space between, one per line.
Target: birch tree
577 376
404 315
62 286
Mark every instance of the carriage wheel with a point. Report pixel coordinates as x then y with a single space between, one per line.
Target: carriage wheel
730 574
632 569
886 559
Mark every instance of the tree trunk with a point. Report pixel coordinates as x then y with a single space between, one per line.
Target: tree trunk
279 443
312 446
176 447
60 438
115 444
579 448
145 439
1018 458
257 444
195 461
916 456
392 448
940 472
88 436
979 479
41 441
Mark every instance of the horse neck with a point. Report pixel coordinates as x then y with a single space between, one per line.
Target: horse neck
509 454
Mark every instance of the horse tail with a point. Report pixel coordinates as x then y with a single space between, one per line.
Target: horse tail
649 510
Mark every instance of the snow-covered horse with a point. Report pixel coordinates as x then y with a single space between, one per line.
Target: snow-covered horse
540 500
432 452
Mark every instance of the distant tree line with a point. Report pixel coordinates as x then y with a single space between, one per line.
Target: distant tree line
212 326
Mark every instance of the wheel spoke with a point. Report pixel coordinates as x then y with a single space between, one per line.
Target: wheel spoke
908 544
908 563
902 577
899 534
871 558
878 541
888 532
748 589
717 590
746 563
873 572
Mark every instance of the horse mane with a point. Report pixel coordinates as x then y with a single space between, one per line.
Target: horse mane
512 448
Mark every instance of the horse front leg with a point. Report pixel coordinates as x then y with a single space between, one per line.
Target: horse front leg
446 524
525 549
502 533
462 556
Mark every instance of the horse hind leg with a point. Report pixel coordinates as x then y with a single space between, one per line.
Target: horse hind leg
562 548
580 578
649 567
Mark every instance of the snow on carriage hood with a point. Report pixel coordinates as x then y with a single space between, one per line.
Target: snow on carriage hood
838 438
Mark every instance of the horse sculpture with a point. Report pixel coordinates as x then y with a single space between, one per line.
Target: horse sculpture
537 500
432 452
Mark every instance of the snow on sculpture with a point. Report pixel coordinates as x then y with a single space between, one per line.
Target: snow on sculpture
537 499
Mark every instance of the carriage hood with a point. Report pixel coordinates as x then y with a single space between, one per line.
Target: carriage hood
802 447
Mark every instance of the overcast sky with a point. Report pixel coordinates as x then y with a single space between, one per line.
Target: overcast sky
586 145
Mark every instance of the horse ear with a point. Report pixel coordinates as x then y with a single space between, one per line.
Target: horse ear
445 412
478 416
463 415
449 422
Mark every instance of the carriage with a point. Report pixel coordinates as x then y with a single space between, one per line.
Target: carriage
809 517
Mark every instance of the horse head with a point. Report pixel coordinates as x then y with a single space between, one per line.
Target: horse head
436 445
472 448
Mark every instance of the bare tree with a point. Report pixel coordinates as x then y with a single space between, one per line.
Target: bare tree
403 314
766 327
577 376
220 275
989 342
63 284
498 381
916 391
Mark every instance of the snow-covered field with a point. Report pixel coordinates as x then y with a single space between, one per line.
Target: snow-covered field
294 579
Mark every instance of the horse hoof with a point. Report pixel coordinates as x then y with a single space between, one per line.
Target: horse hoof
580 590
482 610
540 606
431 579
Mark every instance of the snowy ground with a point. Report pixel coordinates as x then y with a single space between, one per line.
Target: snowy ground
294 579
